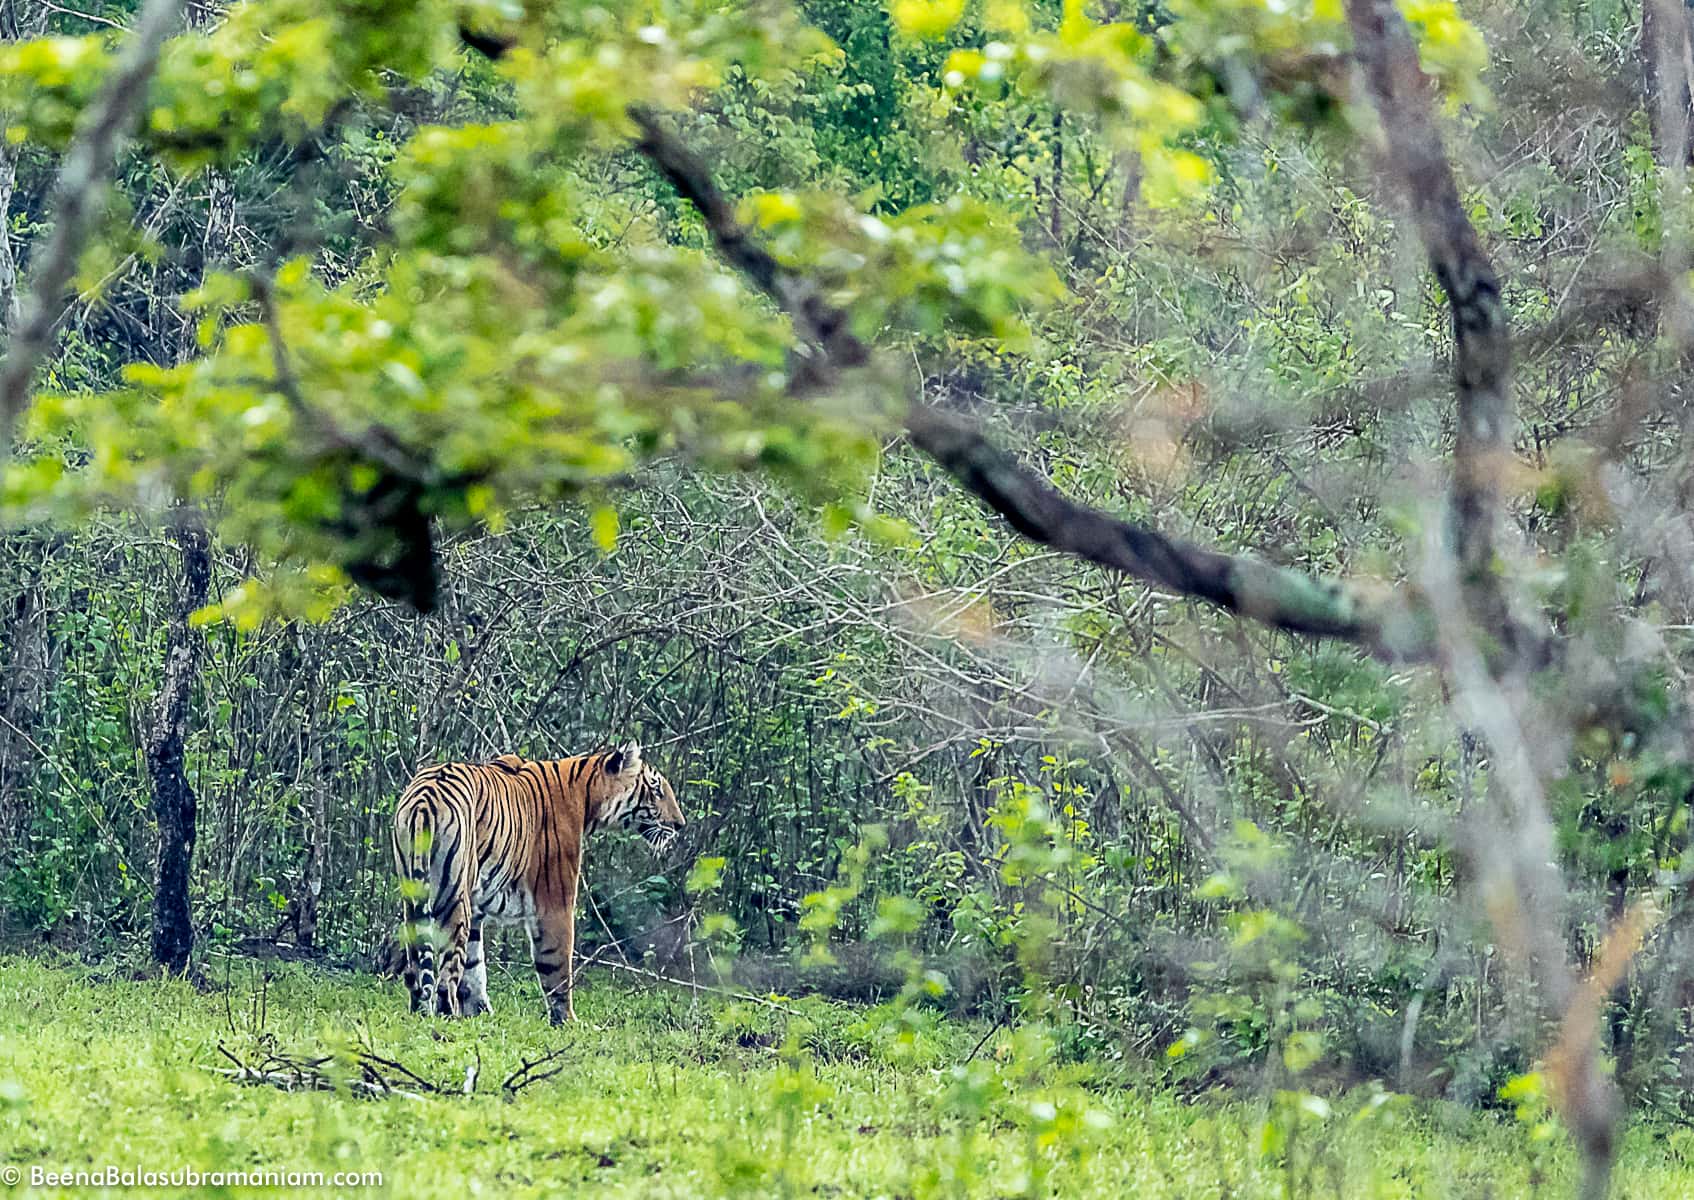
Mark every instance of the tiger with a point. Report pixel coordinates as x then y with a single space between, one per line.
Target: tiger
502 842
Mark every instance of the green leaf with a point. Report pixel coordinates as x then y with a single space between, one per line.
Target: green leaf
603 526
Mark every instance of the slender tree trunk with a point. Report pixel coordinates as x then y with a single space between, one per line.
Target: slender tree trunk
175 806
9 305
173 798
302 914
19 20
1056 220
27 668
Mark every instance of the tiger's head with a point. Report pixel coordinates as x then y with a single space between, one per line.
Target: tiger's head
642 797
656 814
610 787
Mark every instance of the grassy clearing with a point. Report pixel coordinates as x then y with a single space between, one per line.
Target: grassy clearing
666 1094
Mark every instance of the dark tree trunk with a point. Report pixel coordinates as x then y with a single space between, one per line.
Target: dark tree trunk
173 799
1667 61
1056 220
28 666
174 802
302 913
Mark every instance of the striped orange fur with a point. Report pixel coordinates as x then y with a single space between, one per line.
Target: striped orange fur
502 842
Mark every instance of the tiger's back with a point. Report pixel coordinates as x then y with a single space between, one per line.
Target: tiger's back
493 826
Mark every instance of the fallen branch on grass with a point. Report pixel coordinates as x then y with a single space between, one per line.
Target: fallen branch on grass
364 1072
688 983
530 1071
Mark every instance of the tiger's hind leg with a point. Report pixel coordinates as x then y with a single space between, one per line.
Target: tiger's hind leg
419 951
455 923
473 988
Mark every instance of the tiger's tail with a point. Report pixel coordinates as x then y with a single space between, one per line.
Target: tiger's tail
414 837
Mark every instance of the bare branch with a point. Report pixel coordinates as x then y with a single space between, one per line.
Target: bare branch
530 1070
1276 596
1482 361
1281 598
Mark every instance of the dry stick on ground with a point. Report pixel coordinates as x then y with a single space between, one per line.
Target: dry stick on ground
687 983
77 200
308 1074
530 1071
999 1023
593 960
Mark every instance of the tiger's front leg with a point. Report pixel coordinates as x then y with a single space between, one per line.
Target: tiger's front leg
552 943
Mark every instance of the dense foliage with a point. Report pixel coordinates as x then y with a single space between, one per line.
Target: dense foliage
502 448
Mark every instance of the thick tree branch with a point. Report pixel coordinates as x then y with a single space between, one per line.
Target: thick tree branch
1249 587
1482 367
827 343
1390 627
1481 453
78 198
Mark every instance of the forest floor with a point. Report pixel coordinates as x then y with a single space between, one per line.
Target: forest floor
666 1093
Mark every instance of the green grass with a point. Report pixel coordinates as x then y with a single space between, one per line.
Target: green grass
668 1094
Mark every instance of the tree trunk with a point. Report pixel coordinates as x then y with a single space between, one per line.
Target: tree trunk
302 912
18 21
174 802
9 305
27 668
173 798
1056 221
1667 61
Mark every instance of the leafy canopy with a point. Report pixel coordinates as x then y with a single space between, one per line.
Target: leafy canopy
536 316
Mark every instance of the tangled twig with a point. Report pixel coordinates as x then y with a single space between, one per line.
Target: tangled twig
377 1074
530 1071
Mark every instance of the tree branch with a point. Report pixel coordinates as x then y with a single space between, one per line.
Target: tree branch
1482 364
1586 1098
78 198
1389 626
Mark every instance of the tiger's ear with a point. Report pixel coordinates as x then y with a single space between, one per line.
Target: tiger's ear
626 757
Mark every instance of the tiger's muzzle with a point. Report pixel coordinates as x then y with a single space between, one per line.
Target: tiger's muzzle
659 839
